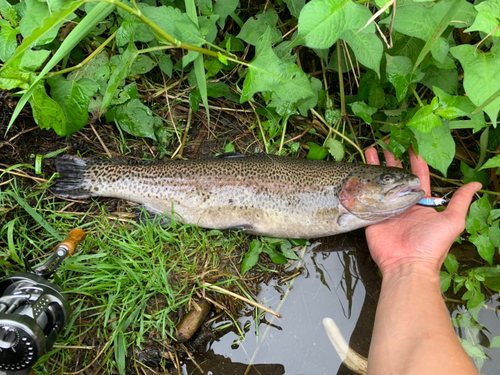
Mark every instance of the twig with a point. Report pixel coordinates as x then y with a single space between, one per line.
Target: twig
22 174
459 184
74 347
244 299
192 359
301 135
100 141
91 363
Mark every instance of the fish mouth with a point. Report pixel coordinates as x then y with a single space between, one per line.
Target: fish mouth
402 190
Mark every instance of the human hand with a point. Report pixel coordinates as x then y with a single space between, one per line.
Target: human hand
420 235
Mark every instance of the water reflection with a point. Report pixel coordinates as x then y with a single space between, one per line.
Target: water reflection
328 286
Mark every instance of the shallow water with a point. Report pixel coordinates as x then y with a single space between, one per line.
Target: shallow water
340 281
330 286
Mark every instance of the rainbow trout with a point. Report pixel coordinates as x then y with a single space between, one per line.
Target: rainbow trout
260 194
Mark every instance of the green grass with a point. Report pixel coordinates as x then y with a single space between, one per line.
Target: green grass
126 281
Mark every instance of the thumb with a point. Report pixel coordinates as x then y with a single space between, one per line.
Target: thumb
460 202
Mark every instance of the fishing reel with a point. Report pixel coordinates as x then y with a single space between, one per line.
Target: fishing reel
33 311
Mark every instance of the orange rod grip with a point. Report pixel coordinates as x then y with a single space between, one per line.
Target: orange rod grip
72 241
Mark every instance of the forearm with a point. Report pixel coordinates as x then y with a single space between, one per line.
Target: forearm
413 333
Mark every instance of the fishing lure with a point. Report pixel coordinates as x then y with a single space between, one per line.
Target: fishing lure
434 201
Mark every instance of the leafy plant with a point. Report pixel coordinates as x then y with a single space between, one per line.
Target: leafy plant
483 226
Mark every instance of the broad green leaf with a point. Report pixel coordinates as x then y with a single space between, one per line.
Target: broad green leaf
120 72
8 12
476 302
137 119
481 273
367 47
175 23
335 148
295 6
459 282
141 65
451 263
470 174
477 218
33 59
205 7
425 120
399 73
481 76
286 249
332 115
451 106
493 283
212 67
47 28
73 97
47 113
445 79
487 19
275 256
437 147
208 27
96 15
495 343
435 43
217 89
224 8
439 50
14 77
267 72
36 17
364 111
418 21
465 16
254 28
444 280
316 152
484 246
8 41
407 46
252 256
400 140
473 350
140 31
322 22
166 65
89 70
494 162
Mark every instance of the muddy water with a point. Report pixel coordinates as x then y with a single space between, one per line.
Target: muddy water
331 285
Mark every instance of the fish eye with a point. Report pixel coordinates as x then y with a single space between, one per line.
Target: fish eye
387 179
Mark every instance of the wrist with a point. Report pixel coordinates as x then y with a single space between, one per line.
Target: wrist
411 267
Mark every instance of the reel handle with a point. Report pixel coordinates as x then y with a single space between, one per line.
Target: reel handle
72 241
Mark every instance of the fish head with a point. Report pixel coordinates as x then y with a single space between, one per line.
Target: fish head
375 193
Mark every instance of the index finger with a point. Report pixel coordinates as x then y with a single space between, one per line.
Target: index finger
420 168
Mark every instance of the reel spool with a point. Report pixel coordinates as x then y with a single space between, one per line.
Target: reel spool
33 311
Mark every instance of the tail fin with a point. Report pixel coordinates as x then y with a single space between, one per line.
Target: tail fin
71 176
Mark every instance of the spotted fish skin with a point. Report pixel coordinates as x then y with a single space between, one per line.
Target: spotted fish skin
261 194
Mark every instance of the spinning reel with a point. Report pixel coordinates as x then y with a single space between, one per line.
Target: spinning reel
33 311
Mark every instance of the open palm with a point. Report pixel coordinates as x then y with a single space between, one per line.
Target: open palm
420 233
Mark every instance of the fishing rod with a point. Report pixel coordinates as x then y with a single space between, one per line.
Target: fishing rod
33 311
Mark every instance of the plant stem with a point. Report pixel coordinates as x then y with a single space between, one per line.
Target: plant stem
444 179
153 49
340 134
158 30
416 95
341 82
89 57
